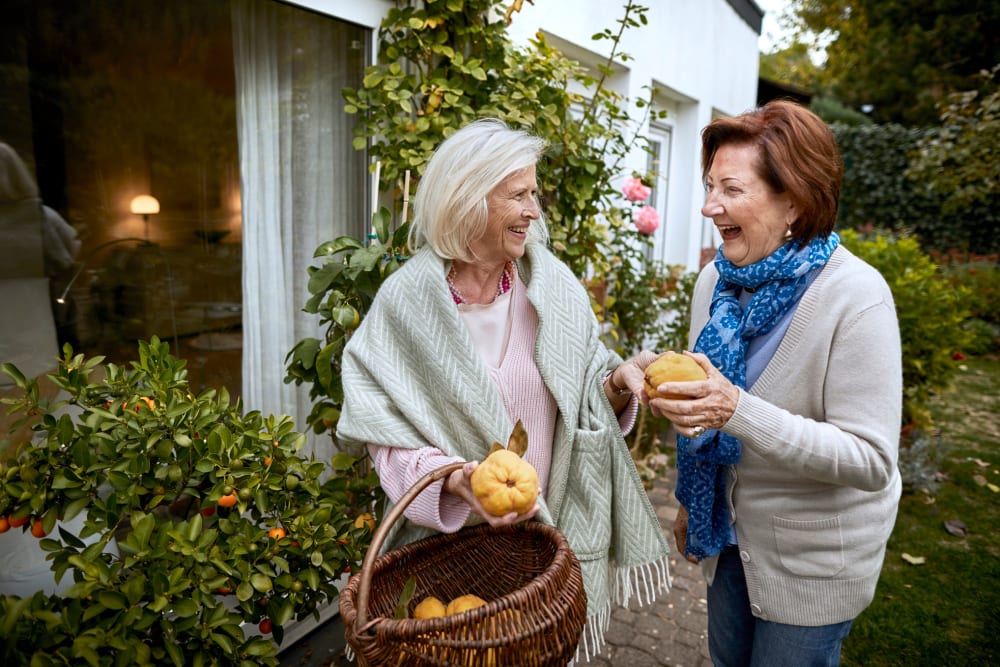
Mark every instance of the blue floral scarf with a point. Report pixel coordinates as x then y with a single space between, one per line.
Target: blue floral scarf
777 283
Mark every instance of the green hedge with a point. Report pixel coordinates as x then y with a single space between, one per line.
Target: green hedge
877 194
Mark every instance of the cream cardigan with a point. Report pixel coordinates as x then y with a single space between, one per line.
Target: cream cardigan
815 494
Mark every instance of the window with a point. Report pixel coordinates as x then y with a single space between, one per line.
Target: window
227 118
658 166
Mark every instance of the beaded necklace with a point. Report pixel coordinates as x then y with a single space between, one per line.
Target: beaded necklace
503 286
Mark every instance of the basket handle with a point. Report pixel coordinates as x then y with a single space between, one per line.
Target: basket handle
368 564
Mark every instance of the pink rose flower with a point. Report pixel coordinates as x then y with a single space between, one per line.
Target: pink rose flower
635 191
647 220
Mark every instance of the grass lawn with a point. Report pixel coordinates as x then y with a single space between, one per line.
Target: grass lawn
945 611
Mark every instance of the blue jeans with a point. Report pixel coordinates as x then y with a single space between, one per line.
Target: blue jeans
737 639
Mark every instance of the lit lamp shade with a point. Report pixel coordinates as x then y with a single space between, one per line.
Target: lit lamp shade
144 205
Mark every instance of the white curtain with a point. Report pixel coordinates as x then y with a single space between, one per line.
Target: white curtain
301 183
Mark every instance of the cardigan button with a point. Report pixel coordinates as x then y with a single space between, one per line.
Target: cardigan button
745 555
755 608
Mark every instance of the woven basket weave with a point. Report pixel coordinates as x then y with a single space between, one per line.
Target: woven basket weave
536 604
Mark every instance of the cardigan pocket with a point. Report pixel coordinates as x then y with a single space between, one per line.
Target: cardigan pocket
810 548
589 494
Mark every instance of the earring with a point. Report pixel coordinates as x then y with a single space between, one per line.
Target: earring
788 233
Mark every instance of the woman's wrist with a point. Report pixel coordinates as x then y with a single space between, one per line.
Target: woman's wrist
617 389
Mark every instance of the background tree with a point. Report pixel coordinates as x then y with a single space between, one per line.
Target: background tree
902 57
958 161
792 64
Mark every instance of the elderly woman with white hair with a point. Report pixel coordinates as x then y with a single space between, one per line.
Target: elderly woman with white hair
483 326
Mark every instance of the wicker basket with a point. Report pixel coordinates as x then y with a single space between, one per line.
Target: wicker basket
536 604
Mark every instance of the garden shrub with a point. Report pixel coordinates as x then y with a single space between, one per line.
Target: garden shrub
979 275
213 518
930 311
920 461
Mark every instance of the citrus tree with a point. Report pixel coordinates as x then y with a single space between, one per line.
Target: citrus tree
204 532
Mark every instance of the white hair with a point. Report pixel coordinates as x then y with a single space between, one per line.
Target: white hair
449 207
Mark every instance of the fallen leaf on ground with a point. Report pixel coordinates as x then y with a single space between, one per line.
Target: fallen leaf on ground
914 560
981 463
993 487
979 479
956 527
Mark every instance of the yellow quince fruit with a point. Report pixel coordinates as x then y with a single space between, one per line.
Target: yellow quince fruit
672 367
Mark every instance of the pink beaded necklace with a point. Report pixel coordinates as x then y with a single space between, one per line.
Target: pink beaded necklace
503 286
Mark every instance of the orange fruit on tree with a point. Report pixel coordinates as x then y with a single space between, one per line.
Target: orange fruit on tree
276 533
4 524
228 500
429 607
672 367
365 519
464 603
37 529
17 523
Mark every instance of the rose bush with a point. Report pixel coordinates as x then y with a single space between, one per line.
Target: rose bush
635 191
647 220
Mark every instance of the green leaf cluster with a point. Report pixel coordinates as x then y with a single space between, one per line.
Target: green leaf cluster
957 160
162 572
342 288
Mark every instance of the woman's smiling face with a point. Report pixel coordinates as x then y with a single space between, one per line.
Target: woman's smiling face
751 218
512 205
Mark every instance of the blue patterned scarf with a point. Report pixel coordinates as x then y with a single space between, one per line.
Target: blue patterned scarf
777 282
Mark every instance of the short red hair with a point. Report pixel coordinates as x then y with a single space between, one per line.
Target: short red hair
797 154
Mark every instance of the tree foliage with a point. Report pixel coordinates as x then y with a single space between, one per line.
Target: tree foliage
902 57
959 160
197 520
791 64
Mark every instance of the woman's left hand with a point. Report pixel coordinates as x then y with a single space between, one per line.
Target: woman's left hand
632 372
711 404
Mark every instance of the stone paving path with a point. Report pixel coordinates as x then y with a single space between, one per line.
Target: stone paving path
672 632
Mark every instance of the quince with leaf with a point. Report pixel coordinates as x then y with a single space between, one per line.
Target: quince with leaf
504 482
